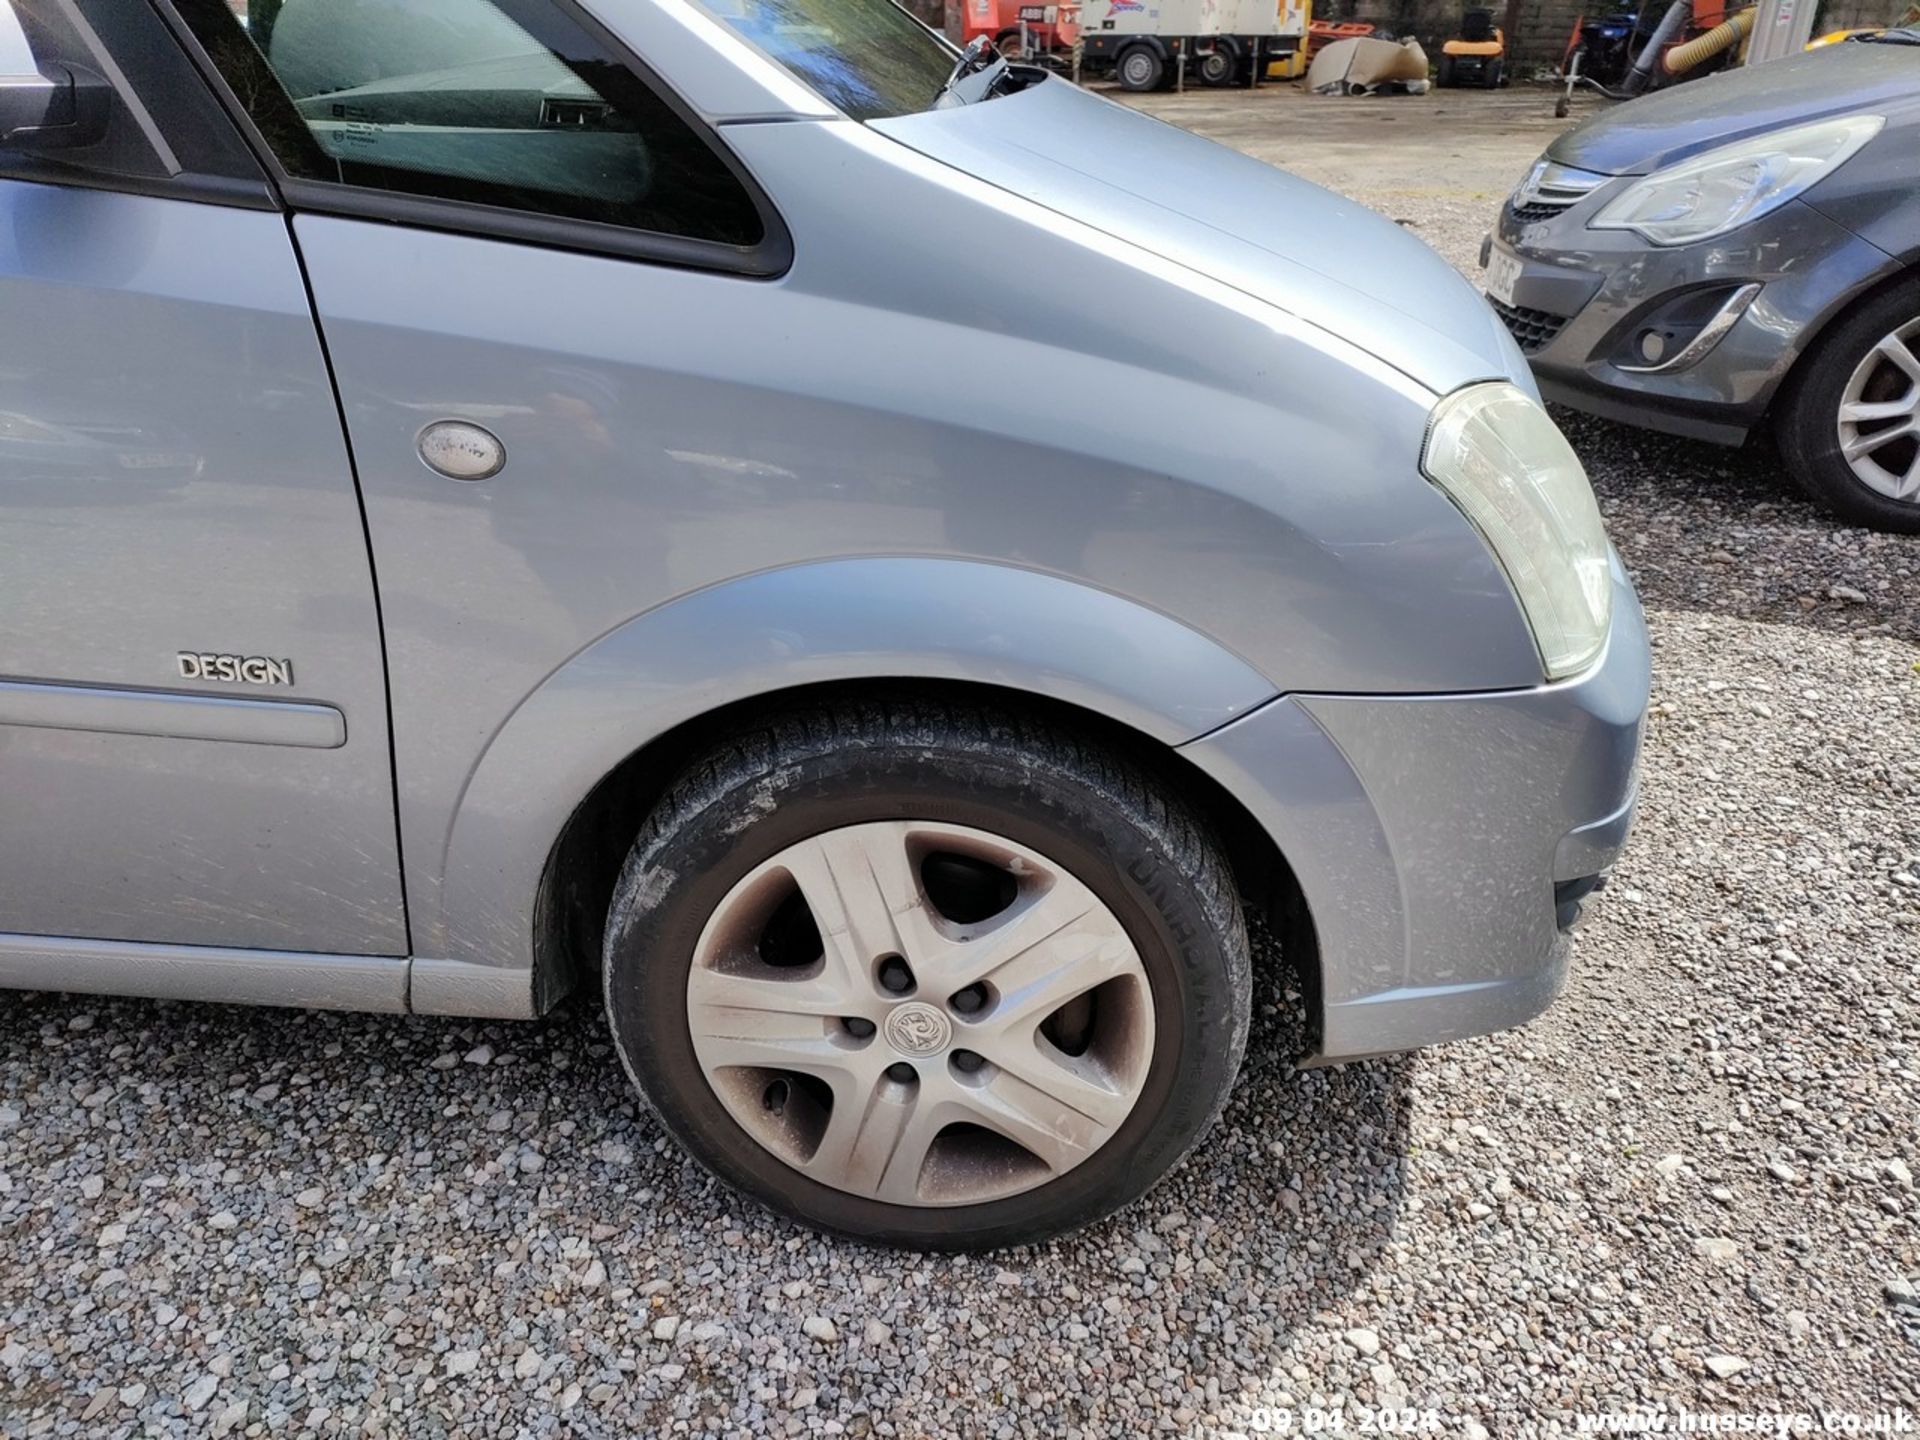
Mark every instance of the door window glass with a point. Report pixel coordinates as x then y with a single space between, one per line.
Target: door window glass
496 102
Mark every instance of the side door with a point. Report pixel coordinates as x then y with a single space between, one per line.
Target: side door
193 724
509 227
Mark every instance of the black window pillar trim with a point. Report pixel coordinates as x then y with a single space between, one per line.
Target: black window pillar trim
769 259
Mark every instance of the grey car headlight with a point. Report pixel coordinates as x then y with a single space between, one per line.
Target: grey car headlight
1727 187
1496 455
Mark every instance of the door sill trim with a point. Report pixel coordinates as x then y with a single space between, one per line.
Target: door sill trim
373 983
460 987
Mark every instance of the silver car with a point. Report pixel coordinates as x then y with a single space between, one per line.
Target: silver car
875 559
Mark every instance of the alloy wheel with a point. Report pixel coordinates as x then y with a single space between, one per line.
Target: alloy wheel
920 1013
1879 419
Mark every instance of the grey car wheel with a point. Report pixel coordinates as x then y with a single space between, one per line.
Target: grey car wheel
922 1060
928 977
1848 422
1879 417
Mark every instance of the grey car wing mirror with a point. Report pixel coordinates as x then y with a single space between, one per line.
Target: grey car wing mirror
46 104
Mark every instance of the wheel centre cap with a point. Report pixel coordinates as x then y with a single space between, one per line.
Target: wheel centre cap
918 1029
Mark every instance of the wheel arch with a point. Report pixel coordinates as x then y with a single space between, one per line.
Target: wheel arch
584 746
1814 335
577 884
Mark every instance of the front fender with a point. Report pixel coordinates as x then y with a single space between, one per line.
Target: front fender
905 618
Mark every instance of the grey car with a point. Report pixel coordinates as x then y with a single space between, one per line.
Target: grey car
1738 255
874 561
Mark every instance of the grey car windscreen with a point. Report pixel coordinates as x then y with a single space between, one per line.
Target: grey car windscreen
868 58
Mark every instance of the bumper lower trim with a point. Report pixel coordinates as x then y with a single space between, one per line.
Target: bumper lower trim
1701 346
1717 426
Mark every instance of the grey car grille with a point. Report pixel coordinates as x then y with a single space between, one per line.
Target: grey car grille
1532 329
1536 210
1550 188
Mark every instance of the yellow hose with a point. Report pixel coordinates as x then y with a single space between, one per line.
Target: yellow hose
1704 47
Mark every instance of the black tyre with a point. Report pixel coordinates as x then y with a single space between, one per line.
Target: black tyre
928 977
1009 46
1848 421
1496 74
1443 75
1140 69
1219 67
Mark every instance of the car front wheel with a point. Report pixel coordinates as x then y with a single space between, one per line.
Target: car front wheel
928 978
1849 422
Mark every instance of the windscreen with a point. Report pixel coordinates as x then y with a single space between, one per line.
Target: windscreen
868 58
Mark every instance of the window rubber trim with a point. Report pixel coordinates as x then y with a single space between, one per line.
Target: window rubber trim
198 187
771 258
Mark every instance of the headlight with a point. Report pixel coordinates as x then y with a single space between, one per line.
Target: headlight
1723 188
1497 456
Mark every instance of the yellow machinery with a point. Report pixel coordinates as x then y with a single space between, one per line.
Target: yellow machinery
1476 56
1296 16
1840 37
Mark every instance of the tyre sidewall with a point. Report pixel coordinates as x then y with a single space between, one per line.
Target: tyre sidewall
1807 425
1189 952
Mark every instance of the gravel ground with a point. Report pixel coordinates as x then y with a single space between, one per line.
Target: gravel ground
1690 1185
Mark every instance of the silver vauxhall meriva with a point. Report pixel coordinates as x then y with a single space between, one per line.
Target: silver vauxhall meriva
874 558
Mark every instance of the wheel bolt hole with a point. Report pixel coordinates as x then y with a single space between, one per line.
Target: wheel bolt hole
970 1001
966 1062
774 1097
901 1073
857 1026
895 977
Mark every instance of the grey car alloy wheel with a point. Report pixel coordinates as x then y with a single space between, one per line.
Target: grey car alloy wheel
922 1060
1879 417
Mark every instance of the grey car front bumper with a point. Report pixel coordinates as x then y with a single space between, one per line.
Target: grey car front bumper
1431 834
1581 302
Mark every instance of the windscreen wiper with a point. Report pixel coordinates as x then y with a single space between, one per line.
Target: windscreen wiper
979 56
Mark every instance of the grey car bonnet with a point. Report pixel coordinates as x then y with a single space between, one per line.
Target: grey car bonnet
1270 235
1669 125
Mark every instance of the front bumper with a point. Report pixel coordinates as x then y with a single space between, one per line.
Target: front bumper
1429 835
1582 298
